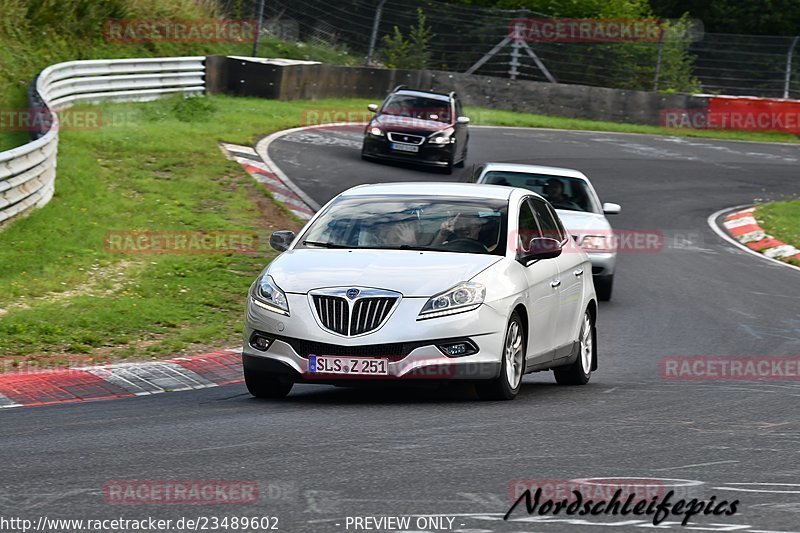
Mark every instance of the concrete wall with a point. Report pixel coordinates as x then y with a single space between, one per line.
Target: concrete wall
246 78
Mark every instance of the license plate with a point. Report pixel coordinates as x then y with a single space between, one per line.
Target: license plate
404 147
324 364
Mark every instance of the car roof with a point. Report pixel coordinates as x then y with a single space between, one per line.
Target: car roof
425 94
465 190
535 169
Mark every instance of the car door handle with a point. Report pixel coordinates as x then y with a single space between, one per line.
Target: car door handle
578 272
555 283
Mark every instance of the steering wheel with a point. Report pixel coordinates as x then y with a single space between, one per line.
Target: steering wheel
469 246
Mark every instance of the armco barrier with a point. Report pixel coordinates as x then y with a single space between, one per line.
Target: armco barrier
27 173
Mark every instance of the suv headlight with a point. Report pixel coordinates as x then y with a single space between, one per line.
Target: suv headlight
375 131
268 295
441 137
598 243
465 296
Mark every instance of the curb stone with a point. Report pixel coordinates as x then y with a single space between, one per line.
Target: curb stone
743 226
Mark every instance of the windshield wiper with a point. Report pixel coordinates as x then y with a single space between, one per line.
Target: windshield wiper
325 244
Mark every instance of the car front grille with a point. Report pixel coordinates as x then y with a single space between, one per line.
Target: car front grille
407 138
353 317
369 313
333 312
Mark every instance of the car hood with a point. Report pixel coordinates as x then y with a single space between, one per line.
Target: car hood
580 223
411 273
409 125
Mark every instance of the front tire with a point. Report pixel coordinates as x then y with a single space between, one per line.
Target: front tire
603 286
507 384
265 384
580 372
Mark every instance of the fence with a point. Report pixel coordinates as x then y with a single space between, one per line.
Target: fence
688 60
27 173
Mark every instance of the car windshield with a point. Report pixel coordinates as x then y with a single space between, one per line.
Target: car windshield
571 194
398 223
417 107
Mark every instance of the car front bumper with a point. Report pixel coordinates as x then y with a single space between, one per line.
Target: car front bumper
603 264
428 154
409 345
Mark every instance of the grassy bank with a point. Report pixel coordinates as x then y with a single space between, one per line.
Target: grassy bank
157 168
782 221
528 120
37 33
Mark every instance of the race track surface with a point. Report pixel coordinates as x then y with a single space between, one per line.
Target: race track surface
325 453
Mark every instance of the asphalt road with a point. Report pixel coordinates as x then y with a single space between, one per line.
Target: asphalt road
325 454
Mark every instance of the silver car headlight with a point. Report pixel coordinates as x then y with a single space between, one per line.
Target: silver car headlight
465 296
268 295
598 243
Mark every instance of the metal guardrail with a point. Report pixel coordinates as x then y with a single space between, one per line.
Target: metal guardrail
27 173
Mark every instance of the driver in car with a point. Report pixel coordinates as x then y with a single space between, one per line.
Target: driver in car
554 192
459 228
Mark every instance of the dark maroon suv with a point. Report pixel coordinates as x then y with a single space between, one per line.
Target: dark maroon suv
418 127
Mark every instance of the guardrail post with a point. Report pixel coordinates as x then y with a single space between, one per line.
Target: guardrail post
374 36
658 59
789 67
257 37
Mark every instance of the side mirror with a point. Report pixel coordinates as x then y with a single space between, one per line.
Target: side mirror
462 120
373 107
280 240
541 248
611 209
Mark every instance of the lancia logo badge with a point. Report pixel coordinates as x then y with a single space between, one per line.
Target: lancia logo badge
352 293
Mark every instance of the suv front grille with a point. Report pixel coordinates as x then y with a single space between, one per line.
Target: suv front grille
407 138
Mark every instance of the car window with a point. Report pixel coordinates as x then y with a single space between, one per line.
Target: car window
459 110
528 227
567 193
417 107
560 225
546 220
435 223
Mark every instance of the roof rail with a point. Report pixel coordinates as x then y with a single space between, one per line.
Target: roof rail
399 87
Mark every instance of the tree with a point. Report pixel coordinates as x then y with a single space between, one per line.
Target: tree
412 52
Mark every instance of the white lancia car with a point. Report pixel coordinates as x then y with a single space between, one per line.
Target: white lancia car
415 281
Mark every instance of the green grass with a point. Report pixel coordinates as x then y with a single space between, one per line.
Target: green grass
158 168
35 34
782 221
529 120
